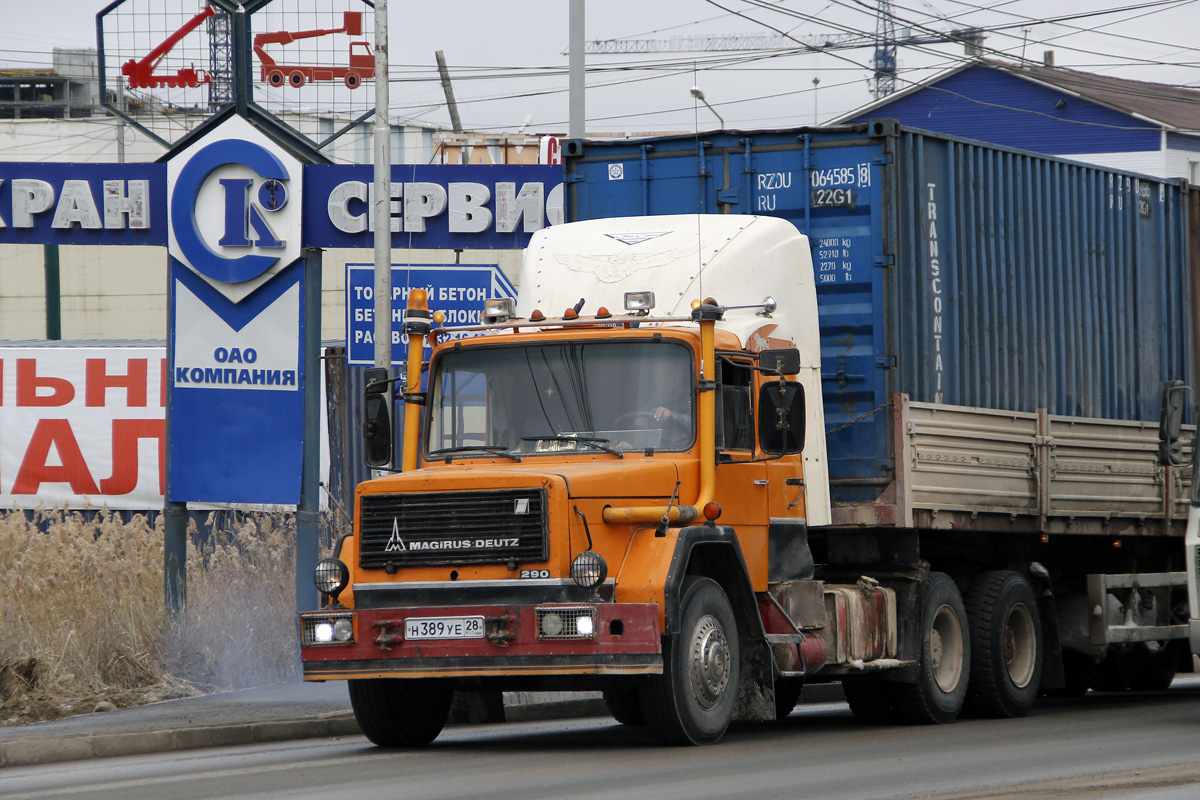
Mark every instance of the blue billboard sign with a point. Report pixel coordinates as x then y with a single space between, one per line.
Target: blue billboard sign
433 205
458 290
83 204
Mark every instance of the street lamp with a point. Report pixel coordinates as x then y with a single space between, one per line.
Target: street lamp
699 95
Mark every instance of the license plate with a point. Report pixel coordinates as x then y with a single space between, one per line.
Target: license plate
443 628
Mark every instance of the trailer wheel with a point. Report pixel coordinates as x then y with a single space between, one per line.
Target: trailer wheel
870 701
353 79
944 658
296 79
624 706
395 712
692 701
1006 645
275 78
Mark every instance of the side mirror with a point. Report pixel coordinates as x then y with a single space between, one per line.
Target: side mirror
377 418
781 362
781 419
1170 424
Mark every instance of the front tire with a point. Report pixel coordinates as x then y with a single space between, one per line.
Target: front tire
944 658
1006 645
394 712
692 701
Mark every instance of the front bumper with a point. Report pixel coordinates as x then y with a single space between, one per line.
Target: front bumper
626 640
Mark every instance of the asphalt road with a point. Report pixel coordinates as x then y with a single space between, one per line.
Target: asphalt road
1099 747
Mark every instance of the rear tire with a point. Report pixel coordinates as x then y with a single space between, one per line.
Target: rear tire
624 706
1150 666
1006 645
870 701
787 694
692 701
395 712
944 658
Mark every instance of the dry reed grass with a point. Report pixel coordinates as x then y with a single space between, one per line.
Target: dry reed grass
82 618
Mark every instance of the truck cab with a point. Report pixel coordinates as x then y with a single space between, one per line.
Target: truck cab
605 500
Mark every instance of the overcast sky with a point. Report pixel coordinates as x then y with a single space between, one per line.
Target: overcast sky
508 64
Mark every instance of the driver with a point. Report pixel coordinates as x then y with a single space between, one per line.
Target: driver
673 412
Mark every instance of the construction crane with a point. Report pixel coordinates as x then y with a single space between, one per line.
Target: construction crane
884 41
140 71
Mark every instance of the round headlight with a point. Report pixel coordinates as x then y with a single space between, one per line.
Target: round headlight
331 576
589 569
343 630
552 624
323 633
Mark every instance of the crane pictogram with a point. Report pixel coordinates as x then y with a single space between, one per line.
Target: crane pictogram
140 71
361 60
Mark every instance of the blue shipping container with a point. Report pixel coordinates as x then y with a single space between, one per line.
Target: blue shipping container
954 271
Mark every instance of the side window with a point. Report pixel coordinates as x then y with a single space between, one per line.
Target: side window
735 409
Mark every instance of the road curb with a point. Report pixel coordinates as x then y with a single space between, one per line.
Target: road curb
41 750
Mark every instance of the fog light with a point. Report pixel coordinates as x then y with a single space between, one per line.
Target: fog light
343 630
331 576
639 302
589 569
323 632
584 626
499 309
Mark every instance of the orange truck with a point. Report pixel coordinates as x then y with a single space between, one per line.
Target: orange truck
614 484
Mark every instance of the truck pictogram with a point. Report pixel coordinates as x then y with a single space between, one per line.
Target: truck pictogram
141 71
361 59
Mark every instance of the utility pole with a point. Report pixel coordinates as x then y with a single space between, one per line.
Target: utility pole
577 124
455 122
383 198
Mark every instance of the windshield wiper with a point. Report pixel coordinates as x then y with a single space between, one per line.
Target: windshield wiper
448 453
598 442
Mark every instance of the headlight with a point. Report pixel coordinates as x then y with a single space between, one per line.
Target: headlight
331 576
589 569
566 622
319 629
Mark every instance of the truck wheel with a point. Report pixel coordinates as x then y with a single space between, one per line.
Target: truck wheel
396 712
1006 645
1150 666
352 80
944 658
1077 673
624 706
275 78
692 701
870 701
296 79
787 694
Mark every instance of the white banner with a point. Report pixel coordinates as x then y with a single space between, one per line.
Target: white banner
82 427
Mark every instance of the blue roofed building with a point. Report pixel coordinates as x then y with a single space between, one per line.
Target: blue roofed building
1151 128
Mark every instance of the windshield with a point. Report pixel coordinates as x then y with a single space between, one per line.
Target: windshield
576 396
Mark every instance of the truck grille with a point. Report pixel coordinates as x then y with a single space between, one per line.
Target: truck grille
435 528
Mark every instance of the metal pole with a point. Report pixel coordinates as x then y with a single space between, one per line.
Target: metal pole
53 293
383 195
577 123
175 516
308 516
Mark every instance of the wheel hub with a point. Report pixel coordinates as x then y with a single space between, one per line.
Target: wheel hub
710 662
